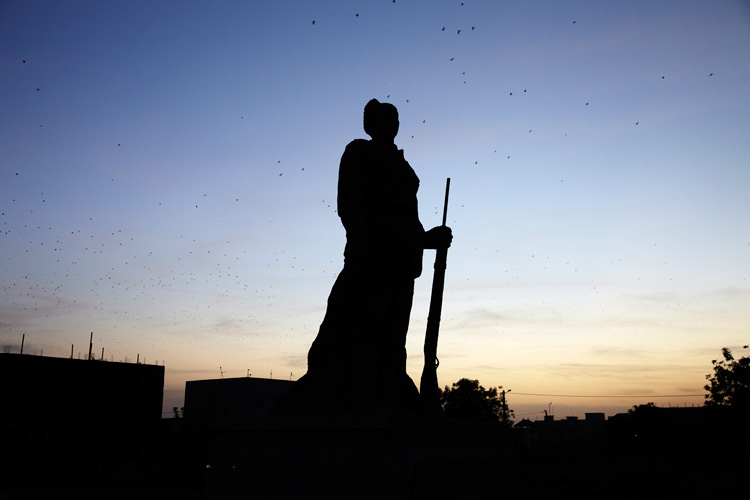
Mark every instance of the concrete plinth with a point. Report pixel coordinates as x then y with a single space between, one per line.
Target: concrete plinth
360 457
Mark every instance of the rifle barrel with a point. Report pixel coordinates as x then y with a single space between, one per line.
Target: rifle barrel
429 388
445 206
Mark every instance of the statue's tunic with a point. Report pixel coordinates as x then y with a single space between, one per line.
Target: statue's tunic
377 203
363 335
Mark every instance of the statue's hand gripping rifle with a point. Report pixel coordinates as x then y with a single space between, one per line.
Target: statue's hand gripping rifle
429 389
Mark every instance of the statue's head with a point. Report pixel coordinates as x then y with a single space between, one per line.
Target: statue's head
381 120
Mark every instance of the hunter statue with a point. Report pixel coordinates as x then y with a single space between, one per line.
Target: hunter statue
357 363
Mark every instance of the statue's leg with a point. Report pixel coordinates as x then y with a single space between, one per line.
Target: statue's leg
326 351
367 320
398 387
343 360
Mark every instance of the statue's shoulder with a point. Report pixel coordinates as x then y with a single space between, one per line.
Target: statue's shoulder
358 145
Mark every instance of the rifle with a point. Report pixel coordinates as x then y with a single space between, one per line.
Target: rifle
429 390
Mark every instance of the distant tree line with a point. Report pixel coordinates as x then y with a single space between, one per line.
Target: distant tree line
729 384
468 400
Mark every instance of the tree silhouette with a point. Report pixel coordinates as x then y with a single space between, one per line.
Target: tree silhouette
642 408
729 385
468 400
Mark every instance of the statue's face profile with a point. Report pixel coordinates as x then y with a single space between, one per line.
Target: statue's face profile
388 121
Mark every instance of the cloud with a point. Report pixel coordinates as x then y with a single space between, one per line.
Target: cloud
618 352
476 319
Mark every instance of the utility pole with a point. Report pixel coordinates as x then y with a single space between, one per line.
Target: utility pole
505 412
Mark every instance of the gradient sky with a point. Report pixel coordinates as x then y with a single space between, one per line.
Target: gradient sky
168 181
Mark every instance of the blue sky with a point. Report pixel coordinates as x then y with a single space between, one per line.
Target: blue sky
168 181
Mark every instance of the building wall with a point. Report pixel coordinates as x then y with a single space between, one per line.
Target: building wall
231 402
50 393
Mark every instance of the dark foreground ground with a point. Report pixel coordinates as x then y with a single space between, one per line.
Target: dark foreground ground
637 456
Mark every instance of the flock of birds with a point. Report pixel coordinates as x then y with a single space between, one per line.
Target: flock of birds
458 31
91 267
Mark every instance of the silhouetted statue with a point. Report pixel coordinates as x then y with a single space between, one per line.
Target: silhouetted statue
357 363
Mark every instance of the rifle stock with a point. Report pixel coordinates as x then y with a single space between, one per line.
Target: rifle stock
429 390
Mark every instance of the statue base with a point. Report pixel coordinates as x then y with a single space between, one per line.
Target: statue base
360 457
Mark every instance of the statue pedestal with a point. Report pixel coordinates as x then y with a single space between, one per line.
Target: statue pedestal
359 457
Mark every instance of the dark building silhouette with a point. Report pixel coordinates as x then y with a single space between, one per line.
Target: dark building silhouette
64 416
45 392
560 432
231 403
687 452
